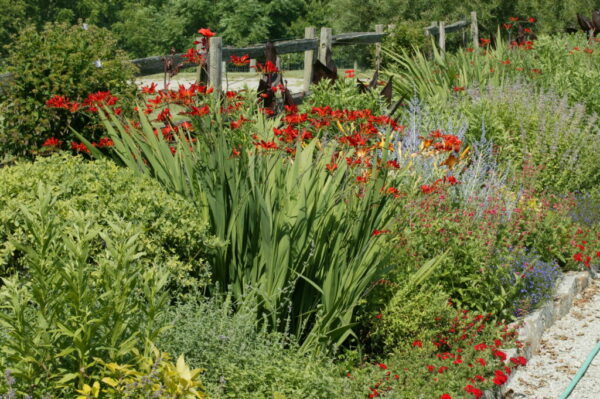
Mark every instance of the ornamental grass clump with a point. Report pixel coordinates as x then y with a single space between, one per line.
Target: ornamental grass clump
298 231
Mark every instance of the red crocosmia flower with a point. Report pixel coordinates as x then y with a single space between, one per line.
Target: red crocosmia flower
79 147
331 166
235 153
513 19
445 396
506 62
393 164
598 254
379 232
349 73
480 347
361 179
430 368
267 145
507 26
458 88
527 30
484 42
536 71
240 61
105 142
206 32
378 315
58 102
193 56
469 49
531 19
383 366
205 110
425 189
417 344
578 257
588 50
187 125
149 89
52 142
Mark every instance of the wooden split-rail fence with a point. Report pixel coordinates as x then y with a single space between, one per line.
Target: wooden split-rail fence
310 45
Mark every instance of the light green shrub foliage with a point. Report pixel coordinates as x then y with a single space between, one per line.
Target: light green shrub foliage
242 362
59 60
73 303
421 315
538 129
172 232
343 94
406 36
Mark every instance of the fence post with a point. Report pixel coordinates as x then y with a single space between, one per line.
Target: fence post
252 65
324 44
309 58
378 29
215 59
474 29
442 37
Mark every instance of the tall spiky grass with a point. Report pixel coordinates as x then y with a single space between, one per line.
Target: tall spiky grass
294 233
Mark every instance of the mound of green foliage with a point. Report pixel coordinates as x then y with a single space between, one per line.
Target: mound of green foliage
171 231
243 361
71 61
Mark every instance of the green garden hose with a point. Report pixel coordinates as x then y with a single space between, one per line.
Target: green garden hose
581 372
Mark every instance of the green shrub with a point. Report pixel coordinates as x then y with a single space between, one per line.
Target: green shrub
422 316
59 60
406 36
171 229
72 304
243 362
343 94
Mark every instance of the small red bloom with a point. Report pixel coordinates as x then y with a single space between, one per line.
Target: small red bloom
500 378
206 32
383 366
331 166
349 73
52 142
499 354
240 61
531 19
445 396
417 343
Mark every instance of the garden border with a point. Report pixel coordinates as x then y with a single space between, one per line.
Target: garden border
532 327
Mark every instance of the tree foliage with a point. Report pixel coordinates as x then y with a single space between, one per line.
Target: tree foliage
150 27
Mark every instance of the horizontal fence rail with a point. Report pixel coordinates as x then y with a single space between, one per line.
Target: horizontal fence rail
434 30
308 46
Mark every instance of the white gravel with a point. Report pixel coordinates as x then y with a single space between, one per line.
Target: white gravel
564 348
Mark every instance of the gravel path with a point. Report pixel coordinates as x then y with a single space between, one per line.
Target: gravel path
563 350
